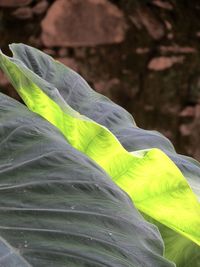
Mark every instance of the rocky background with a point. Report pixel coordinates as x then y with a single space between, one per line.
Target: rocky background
145 55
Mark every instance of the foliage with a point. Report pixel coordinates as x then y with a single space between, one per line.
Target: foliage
155 184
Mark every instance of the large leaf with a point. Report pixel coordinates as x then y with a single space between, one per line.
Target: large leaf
58 208
157 195
82 98
78 94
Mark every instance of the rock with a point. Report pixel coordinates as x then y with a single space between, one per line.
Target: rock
188 112
168 25
178 49
142 50
62 52
80 52
170 36
163 63
162 4
75 23
40 7
185 129
23 13
152 24
14 3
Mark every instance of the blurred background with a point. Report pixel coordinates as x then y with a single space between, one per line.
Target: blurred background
144 55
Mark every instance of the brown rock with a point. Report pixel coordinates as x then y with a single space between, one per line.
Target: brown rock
62 52
80 52
188 112
170 36
142 50
163 63
83 23
14 3
40 7
178 49
23 13
185 129
162 4
153 25
168 25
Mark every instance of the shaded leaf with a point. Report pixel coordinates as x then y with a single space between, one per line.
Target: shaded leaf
154 183
10 257
78 94
82 98
58 208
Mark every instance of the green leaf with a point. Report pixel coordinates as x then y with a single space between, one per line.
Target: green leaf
58 208
10 257
78 94
178 248
154 183
82 98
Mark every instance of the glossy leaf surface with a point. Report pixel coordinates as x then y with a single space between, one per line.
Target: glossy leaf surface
154 183
58 208
78 94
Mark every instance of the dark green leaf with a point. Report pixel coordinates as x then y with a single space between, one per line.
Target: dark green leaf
58 208
82 98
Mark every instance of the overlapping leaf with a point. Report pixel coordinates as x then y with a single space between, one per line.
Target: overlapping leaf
58 208
80 96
